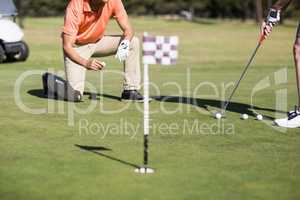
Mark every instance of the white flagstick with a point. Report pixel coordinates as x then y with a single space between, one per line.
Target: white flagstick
146 100
145 169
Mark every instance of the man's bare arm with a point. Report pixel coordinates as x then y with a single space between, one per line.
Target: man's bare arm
273 17
126 27
68 46
281 4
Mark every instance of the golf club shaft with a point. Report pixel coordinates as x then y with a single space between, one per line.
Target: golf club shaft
242 76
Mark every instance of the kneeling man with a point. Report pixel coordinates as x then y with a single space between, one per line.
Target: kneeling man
83 37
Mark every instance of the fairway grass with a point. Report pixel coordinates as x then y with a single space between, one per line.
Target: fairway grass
45 157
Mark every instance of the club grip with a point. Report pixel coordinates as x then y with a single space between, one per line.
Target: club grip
261 38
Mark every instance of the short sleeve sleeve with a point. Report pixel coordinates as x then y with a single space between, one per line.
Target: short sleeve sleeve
72 19
119 10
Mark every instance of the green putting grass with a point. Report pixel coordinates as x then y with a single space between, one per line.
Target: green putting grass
41 156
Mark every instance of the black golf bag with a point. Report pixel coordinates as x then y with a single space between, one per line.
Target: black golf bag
56 87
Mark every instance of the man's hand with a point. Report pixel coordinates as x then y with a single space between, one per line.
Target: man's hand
266 29
94 65
123 50
273 19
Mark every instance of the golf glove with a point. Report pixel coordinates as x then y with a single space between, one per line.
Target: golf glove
273 17
123 50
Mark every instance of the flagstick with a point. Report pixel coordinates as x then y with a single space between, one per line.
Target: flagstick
145 169
146 114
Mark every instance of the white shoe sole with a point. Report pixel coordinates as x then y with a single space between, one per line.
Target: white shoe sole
283 126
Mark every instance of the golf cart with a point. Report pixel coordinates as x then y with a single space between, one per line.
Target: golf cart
12 48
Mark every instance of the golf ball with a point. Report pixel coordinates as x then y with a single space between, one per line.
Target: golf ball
218 115
142 170
245 116
259 117
103 64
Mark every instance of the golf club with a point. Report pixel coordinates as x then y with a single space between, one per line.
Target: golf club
262 38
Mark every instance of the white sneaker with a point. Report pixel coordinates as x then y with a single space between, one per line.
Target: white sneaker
292 121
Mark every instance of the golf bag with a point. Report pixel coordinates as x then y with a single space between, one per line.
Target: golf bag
57 88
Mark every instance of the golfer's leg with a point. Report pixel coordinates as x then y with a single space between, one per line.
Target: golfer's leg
108 45
75 74
297 61
132 67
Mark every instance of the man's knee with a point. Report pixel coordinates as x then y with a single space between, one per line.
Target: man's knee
297 49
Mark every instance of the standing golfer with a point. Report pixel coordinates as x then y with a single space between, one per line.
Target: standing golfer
83 37
293 119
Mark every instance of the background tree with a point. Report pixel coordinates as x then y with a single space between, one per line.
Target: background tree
21 6
240 9
259 11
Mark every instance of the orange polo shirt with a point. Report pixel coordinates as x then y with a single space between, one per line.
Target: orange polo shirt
88 26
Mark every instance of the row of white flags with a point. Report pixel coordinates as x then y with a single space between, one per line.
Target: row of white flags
162 50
